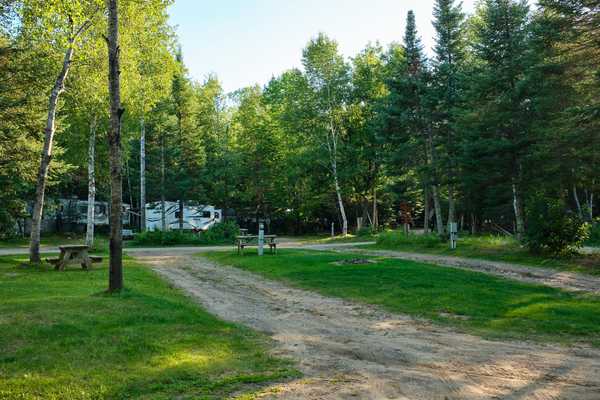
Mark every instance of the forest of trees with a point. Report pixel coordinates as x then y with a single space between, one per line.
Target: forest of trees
503 110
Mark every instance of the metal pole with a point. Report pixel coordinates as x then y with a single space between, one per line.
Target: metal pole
261 238
332 229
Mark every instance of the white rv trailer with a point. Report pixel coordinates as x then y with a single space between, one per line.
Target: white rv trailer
75 211
195 218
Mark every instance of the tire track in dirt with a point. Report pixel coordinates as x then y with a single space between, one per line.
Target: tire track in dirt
353 351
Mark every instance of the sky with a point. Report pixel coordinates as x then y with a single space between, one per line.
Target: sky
247 42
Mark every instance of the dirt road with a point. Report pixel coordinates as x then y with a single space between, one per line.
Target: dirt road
352 351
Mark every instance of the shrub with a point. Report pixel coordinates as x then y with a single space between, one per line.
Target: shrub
222 233
364 231
399 239
594 239
552 228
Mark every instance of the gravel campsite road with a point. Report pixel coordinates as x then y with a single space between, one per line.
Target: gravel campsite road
538 275
351 351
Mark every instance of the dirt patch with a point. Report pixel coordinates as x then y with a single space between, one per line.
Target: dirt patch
352 351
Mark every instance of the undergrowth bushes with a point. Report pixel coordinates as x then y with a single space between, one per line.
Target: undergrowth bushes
399 238
222 233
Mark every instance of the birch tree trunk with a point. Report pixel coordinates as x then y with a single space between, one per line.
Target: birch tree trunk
338 192
142 176
163 212
115 280
451 205
332 147
439 220
518 208
577 203
40 190
89 233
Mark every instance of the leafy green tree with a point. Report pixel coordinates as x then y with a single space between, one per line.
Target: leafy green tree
258 143
327 75
57 26
366 117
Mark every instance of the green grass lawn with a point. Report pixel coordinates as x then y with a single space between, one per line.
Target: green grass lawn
495 248
100 241
62 337
472 301
325 239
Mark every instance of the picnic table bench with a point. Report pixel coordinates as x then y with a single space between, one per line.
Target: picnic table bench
73 254
252 240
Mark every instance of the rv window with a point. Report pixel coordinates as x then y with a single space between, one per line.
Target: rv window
205 214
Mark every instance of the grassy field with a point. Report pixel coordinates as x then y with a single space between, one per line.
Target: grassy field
471 301
325 239
100 241
496 248
61 337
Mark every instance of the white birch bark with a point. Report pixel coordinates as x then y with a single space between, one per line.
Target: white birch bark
518 209
142 176
439 220
451 206
38 208
163 212
57 89
332 141
89 233
577 203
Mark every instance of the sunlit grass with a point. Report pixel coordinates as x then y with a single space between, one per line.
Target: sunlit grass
475 302
62 337
489 247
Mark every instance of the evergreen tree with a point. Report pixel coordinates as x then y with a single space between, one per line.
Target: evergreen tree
498 138
447 90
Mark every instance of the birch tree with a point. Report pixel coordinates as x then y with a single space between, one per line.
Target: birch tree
61 25
327 74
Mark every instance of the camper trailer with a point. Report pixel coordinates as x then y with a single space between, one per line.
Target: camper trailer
75 212
195 218
70 215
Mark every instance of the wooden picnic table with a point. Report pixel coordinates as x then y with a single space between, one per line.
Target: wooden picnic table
73 254
243 241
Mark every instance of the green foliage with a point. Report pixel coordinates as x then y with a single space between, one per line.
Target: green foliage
472 301
393 239
553 229
488 247
364 232
222 233
594 238
61 336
